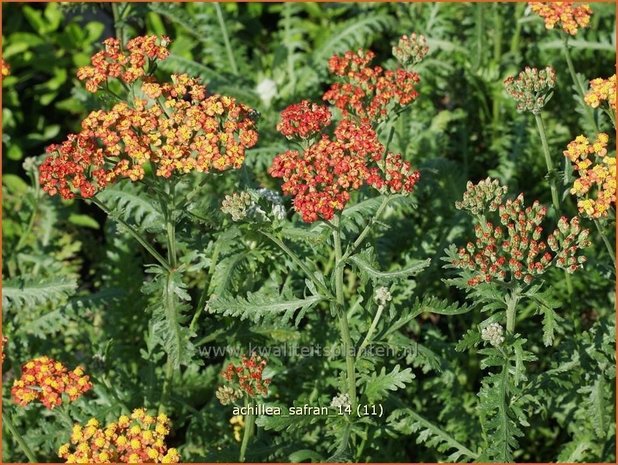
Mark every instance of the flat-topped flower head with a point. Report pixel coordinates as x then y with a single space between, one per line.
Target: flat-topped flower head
247 376
510 244
136 438
128 64
566 15
366 92
532 88
48 381
175 127
601 91
595 184
303 120
410 50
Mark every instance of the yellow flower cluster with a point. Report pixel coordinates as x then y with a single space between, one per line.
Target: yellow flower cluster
238 423
595 186
139 438
6 69
601 90
563 14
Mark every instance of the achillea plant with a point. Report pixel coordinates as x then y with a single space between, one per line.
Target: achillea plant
138 438
531 88
48 381
595 184
566 15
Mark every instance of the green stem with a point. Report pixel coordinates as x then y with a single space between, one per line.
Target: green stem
550 166
118 21
226 39
511 306
578 85
361 237
19 438
135 234
608 244
348 345
249 422
370 331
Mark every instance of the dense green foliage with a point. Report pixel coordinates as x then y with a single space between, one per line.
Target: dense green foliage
78 286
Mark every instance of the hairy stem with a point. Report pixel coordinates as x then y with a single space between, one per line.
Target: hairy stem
19 438
550 166
348 346
511 306
249 422
135 234
370 331
226 39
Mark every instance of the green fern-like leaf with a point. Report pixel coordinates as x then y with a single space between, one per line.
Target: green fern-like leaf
366 263
27 293
379 384
133 205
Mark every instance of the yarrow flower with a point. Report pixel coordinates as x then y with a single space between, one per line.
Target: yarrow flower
236 205
247 376
186 131
322 177
595 185
46 380
487 194
382 296
369 92
127 65
138 438
238 423
493 334
602 90
531 89
410 50
303 120
261 205
4 341
228 395
514 248
6 68
563 14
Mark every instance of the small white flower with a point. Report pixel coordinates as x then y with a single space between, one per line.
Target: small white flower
382 296
267 90
493 333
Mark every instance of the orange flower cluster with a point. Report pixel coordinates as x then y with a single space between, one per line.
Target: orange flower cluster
128 66
595 185
303 120
6 69
322 177
564 14
602 90
248 376
139 438
369 92
46 380
515 249
176 128
4 341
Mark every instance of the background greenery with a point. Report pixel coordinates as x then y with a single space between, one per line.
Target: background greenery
72 281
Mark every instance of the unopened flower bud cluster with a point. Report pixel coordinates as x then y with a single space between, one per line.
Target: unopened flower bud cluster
493 334
262 205
531 88
411 49
341 402
382 297
486 195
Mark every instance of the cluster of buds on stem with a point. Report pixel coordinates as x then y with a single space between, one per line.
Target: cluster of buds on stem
46 380
255 205
138 438
494 334
341 401
564 14
486 195
245 378
410 50
595 185
531 89
514 247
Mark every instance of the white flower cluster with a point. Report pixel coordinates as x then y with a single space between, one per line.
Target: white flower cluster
494 334
382 296
262 205
341 401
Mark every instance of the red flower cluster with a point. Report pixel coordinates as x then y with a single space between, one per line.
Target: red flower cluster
177 128
369 92
515 249
303 120
248 375
128 66
46 380
322 177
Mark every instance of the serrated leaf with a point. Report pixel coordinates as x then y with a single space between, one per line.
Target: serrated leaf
379 384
